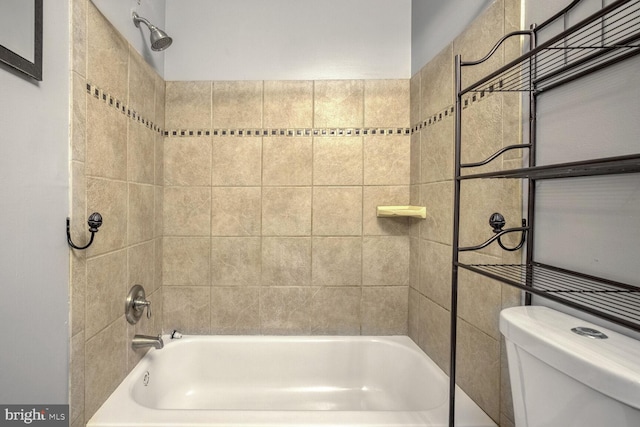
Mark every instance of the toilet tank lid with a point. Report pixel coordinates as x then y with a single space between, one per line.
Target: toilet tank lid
611 366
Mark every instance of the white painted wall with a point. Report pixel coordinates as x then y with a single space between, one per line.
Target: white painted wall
34 260
294 39
288 39
435 23
119 13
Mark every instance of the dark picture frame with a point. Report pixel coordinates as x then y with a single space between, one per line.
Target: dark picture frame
32 69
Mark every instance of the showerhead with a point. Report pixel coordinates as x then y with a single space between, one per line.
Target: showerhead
159 39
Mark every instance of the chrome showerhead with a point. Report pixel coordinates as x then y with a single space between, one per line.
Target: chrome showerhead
159 39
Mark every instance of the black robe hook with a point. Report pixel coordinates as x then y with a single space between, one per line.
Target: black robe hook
497 221
94 222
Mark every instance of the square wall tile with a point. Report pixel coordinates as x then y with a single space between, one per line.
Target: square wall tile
76 377
435 272
286 261
476 291
236 261
160 101
236 161
142 85
158 201
140 227
78 292
286 211
79 36
434 331
235 211
437 151
415 115
337 211
187 161
386 103
436 83
288 104
237 104
387 160
185 261
106 154
107 55
415 257
385 261
159 160
105 364
415 164
158 256
287 161
285 310
412 318
79 116
385 310
235 311
336 261
187 211
438 198
141 151
337 161
106 283
187 309
188 105
141 263
482 131
478 367
335 311
338 103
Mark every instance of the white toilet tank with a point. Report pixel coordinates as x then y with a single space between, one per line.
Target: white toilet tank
562 379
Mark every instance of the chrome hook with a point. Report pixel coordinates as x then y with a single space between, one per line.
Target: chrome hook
94 222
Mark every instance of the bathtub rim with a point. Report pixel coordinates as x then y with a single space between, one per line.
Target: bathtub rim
120 409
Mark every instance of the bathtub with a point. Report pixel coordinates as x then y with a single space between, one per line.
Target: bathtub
235 381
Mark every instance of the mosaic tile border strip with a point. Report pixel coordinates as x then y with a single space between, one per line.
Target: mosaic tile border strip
99 94
449 111
307 132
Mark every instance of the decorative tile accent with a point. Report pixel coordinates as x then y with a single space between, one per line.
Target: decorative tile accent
450 110
100 95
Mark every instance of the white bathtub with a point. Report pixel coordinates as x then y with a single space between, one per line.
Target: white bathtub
286 381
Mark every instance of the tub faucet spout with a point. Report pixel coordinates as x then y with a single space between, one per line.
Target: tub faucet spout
143 341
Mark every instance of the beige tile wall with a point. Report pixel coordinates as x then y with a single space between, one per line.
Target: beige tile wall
278 234
116 165
489 124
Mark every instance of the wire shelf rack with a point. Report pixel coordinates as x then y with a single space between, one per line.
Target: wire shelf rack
614 301
607 37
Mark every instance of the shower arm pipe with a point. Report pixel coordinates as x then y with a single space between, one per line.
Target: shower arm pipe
524 229
497 45
137 19
495 155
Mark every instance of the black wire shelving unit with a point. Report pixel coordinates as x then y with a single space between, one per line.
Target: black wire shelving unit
607 37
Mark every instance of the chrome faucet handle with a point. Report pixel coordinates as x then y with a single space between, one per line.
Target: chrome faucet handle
135 303
140 304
